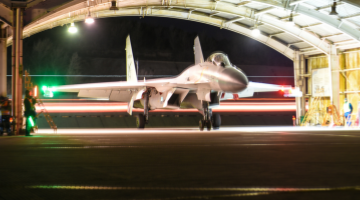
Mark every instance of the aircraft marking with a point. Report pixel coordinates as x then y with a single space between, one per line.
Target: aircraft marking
201 75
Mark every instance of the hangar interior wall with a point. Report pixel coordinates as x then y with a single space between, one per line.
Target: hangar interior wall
317 63
349 76
351 60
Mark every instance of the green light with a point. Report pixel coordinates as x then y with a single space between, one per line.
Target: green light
31 121
52 89
48 91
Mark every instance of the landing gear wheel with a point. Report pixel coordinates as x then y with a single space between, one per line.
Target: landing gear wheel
216 121
201 125
208 125
140 121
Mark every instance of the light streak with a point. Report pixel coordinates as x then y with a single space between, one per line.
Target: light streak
73 107
337 132
238 189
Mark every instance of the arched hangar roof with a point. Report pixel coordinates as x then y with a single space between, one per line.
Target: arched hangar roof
314 32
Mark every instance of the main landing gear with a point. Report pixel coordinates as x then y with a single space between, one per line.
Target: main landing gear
210 119
143 119
216 121
206 121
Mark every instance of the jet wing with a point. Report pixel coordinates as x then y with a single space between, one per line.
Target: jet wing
99 86
100 90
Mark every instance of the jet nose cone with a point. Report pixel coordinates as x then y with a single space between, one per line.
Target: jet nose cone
233 80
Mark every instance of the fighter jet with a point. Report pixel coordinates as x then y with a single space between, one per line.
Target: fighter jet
201 86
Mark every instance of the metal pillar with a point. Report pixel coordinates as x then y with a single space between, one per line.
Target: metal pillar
17 68
302 85
299 81
3 53
334 69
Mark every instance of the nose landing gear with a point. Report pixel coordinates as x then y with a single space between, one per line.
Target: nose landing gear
206 121
143 119
210 119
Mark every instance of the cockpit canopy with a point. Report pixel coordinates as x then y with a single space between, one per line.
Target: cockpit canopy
219 59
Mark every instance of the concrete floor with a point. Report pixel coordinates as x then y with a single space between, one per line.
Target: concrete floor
232 163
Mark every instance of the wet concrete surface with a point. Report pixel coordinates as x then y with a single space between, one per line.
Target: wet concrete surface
185 164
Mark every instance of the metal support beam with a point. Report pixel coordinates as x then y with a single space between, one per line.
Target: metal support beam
299 81
17 68
302 85
3 79
334 68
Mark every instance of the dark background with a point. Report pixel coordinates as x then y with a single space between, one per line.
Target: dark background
162 46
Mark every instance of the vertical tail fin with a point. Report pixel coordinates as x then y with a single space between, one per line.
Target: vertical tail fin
130 64
199 58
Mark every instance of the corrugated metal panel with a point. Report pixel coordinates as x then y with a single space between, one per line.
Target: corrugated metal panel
319 3
227 16
247 22
256 6
288 38
323 30
346 10
355 20
269 29
232 1
303 20
339 38
206 11
349 47
279 13
302 45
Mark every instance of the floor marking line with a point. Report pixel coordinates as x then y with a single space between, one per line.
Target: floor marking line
216 196
172 146
242 189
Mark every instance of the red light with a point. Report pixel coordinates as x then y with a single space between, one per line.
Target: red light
282 88
11 119
223 95
235 96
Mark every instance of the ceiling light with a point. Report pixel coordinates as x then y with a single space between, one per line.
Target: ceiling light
255 32
89 19
72 28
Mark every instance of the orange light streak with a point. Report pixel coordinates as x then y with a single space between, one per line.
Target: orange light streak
96 107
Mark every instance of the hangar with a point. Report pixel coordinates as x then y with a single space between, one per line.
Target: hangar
321 37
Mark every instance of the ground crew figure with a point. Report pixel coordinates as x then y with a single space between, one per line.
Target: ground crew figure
5 108
30 113
347 112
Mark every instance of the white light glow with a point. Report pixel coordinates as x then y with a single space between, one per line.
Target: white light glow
255 32
57 107
263 129
72 28
89 20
